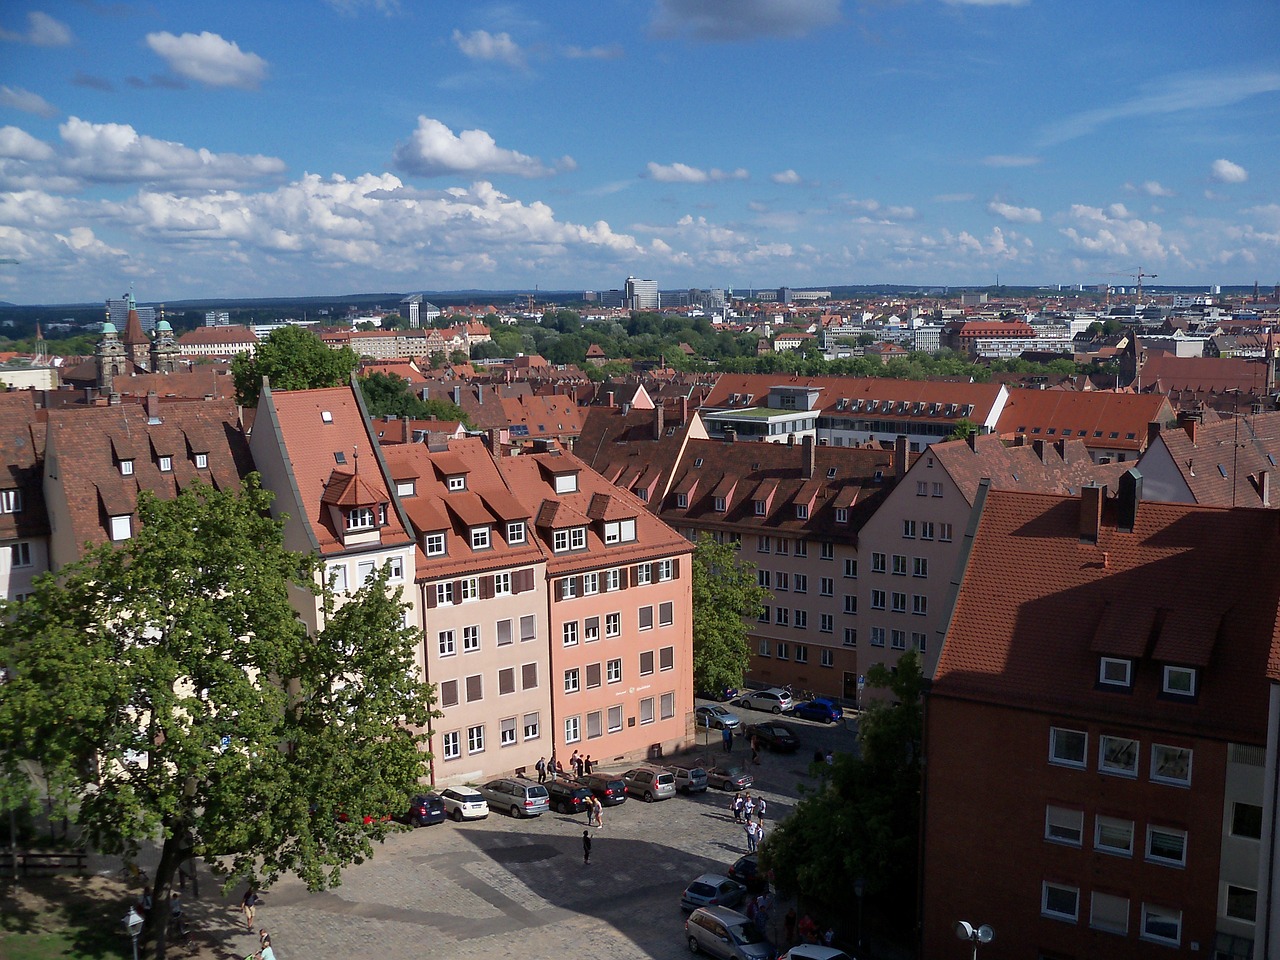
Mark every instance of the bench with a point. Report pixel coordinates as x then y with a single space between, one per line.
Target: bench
43 862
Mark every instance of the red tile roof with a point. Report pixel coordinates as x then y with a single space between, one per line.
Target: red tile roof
1103 419
1224 464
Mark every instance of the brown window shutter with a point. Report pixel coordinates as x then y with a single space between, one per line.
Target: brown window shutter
578 582
559 590
486 588
624 578
457 591
431 596
675 568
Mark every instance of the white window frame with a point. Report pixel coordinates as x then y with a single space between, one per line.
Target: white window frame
444 592
451 745
613 670
456 483
1095 923
1181 835
1108 834
470 589
644 574
335 576
1112 754
1162 915
566 482
1159 775
515 532
613 580
165 464
572 680
126 468
122 527
573 729
613 624
475 739
646 710
360 518
1064 825
666 570
569 633
481 538
577 538
531 726
433 544
559 541
20 554
826 624
502 584
471 638
828 657
1115 672
446 643
613 719
1047 911
10 501
569 588
590 584
507 732
1058 760
1187 677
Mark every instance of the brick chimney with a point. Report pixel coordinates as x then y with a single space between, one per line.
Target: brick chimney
1153 431
684 410
1264 487
901 456
659 427
1189 421
1062 448
809 458
1129 497
1091 498
1038 446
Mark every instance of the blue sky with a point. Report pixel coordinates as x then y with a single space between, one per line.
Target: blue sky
288 148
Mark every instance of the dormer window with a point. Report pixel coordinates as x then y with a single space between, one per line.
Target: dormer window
406 488
566 482
457 483
202 461
802 511
480 538
719 504
126 468
760 507
575 538
682 500
842 514
433 544
1115 672
10 501
122 527
1180 681
619 531
360 518
515 532
578 538
165 464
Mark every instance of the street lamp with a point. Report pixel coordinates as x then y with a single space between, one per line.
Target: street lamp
859 888
975 935
133 923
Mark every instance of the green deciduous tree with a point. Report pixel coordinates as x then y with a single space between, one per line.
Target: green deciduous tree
171 695
295 359
724 592
386 395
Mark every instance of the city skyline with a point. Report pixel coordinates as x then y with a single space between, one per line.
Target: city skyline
320 148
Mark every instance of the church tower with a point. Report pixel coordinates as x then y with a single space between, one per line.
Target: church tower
111 360
164 349
136 345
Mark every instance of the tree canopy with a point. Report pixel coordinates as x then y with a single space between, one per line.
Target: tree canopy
724 592
386 395
295 359
170 694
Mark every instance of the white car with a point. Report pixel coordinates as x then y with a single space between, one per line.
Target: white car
812 951
464 803
774 699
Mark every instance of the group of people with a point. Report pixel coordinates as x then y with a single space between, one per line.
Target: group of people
595 811
578 766
249 907
749 811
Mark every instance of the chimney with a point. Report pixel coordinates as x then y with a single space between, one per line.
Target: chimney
901 456
684 410
1020 440
809 458
1091 498
791 439
730 434
1130 495
1264 487
659 418
1061 447
610 395
457 395
1189 420
1153 431
480 394
1038 446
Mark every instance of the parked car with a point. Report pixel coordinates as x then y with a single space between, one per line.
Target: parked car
746 870
712 715
425 809
464 803
775 699
721 932
712 890
567 796
814 951
776 736
611 790
726 694
649 784
689 779
518 798
729 778
819 708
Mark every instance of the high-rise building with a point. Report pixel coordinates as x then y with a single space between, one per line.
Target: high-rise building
642 294
118 313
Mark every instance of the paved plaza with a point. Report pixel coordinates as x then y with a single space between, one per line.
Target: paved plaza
505 887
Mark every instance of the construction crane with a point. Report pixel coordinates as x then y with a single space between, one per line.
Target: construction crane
1138 276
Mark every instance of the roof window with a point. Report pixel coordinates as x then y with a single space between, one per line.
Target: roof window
326 416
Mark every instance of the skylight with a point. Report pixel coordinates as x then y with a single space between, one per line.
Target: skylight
326 416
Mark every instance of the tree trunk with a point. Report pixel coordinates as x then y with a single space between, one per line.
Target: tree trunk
157 928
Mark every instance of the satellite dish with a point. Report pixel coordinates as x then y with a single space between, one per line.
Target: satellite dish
985 934
964 930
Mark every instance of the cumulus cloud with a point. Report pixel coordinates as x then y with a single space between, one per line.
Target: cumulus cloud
42 31
1009 160
1152 188
743 19
886 214
209 59
683 173
1224 171
1116 232
490 47
433 150
26 101
17 144
1014 214
786 177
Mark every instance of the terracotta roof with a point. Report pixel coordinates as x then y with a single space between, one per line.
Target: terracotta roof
1223 465
1169 592
1103 419
1035 467
22 465
1166 373
217 336
982 396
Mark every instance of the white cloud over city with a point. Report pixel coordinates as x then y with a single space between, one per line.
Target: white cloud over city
208 59
433 150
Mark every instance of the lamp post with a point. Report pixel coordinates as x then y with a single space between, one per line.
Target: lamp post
975 935
859 888
133 923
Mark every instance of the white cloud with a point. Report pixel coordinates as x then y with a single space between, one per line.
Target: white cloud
786 177
1009 160
490 47
1152 188
209 59
1224 171
42 31
26 101
883 214
612 51
433 150
17 144
743 19
683 173
1014 214
1115 232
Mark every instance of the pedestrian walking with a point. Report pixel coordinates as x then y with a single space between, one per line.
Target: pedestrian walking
586 847
249 905
541 767
831 758
751 836
588 765
726 738
760 805
266 953
748 807
575 764
737 807
598 807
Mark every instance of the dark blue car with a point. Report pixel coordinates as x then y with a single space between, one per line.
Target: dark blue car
820 708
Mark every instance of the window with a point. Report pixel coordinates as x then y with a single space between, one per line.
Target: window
452 745
619 531
764 646
667 706
899 565
590 584
646 617
595 725
682 500
501 584
165 464
593 675
827 586
784 547
10 501
666 570
434 543
475 739
449 693
1167 845
456 483
926 529
1171 764
444 593
529 676
1112 835
503 630
802 653
506 681
802 549
667 658
480 538
1062 825
828 657
1246 821
877 600
765 613
515 532
782 616
1162 924
763 544
799 583
826 623
842 514
471 638
937 489
560 541
612 624
908 529
879 563
1118 755
122 529
360 518
646 663
828 550
126 468
922 488
644 574
475 688
760 507
850 571
899 602
567 482
1067 746
1060 902
1242 903
850 636
666 614
591 629
528 627
944 532
532 726
568 588
395 568
898 639
20 554
572 729
1180 681
920 642
920 566
1115 672
507 732
801 619
646 710
802 511
877 636
571 681
470 588
615 719
719 504
919 604
613 671
613 579
445 639
784 651
1109 913
781 581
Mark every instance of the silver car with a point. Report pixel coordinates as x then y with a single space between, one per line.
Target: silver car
649 784
721 932
519 798
775 699
712 890
714 715
689 779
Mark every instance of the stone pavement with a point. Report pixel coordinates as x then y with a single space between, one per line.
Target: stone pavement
501 886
